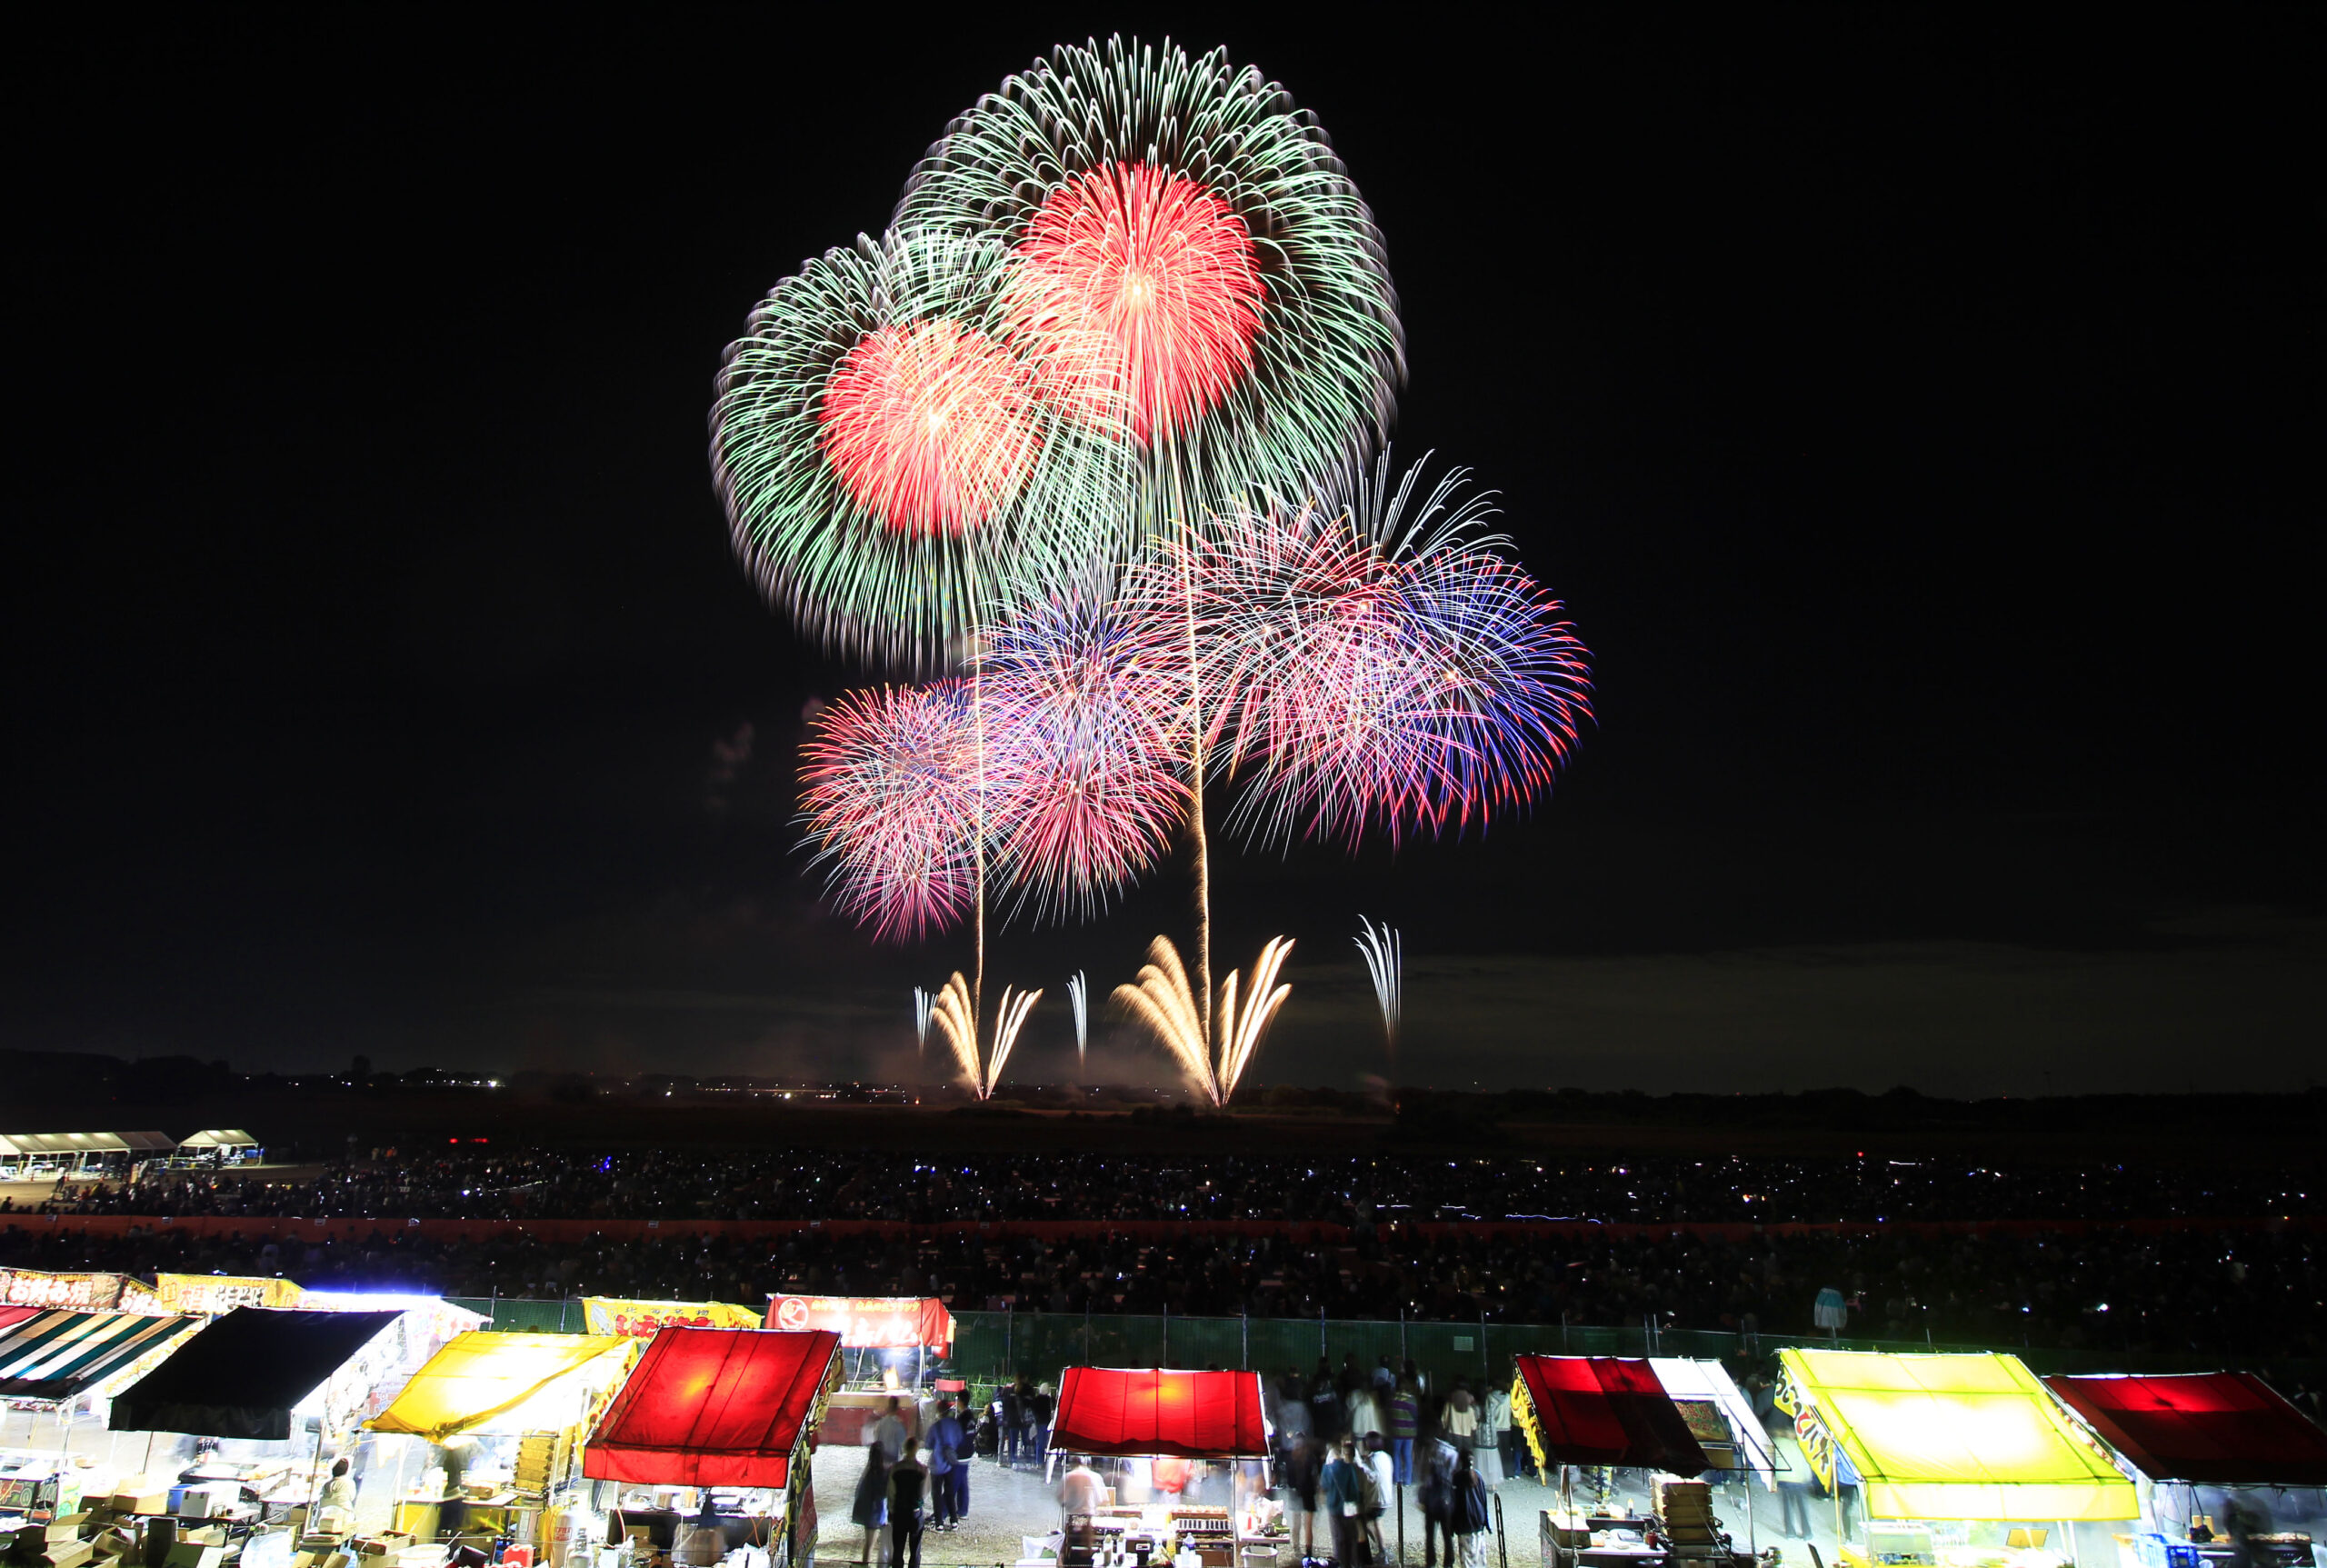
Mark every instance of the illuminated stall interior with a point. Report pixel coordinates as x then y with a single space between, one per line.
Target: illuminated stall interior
1185 1455
712 1430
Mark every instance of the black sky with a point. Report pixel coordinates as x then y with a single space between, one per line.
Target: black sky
1920 416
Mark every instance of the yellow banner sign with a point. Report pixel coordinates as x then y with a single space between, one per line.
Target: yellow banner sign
71 1292
213 1295
607 1314
1817 1443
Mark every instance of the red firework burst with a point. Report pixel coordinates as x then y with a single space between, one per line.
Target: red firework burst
930 425
1140 293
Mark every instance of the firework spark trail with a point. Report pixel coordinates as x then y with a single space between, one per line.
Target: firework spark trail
922 1002
1384 951
1085 772
889 798
1163 1000
887 460
956 1021
1189 252
1078 995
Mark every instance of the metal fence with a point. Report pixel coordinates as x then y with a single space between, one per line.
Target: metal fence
995 1345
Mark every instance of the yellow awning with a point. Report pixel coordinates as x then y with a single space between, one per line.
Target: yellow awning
480 1376
1955 1437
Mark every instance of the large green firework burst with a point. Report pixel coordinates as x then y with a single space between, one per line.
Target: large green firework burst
889 462
1191 264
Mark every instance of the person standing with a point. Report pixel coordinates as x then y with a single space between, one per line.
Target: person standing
908 1485
1014 1422
870 1509
1385 1471
1038 1406
948 1458
1343 1497
1079 1490
1326 1422
890 1433
339 1492
1405 1417
1494 1437
1467 1513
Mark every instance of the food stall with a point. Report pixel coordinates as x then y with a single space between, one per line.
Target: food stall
886 1345
1963 1460
1605 1413
730 1414
1152 1428
2227 1432
253 1408
58 1370
513 1407
1718 1415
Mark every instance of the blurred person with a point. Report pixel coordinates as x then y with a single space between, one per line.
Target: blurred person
1302 1471
1081 1490
890 1431
870 1509
1438 1461
1383 1470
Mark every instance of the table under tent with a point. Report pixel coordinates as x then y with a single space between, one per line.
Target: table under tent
1965 1459
509 1411
715 1426
1184 1458
2217 1455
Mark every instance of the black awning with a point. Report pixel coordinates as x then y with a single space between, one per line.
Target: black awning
241 1376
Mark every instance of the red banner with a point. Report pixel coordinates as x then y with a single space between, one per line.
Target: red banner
868 1322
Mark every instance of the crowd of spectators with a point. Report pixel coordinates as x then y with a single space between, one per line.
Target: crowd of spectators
2188 1288
830 1184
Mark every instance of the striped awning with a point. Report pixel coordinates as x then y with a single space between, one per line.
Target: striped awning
53 1356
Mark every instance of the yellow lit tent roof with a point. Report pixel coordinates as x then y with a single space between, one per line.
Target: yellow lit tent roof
480 1376
1958 1437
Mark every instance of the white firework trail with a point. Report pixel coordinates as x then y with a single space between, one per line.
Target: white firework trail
1384 951
1078 993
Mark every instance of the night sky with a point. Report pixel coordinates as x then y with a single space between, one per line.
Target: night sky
1920 417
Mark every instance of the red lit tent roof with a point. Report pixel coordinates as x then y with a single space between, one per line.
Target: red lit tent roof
713 1407
1605 1409
1185 1415
2222 1428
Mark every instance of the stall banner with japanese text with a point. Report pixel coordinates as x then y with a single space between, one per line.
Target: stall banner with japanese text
214 1295
1817 1443
71 1292
608 1315
868 1322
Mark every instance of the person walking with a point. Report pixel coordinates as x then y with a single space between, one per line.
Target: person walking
949 1469
1494 1437
1343 1497
1467 1512
870 1510
908 1485
1405 1418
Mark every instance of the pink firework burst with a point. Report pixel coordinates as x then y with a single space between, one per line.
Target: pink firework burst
1082 708
891 800
1140 293
1373 664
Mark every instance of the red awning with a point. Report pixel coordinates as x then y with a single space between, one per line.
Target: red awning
1607 1409
868 1322
1185 1415
2222 1428
712 1408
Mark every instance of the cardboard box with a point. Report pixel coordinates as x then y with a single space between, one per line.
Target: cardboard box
141 1501
188 1555
207 1535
